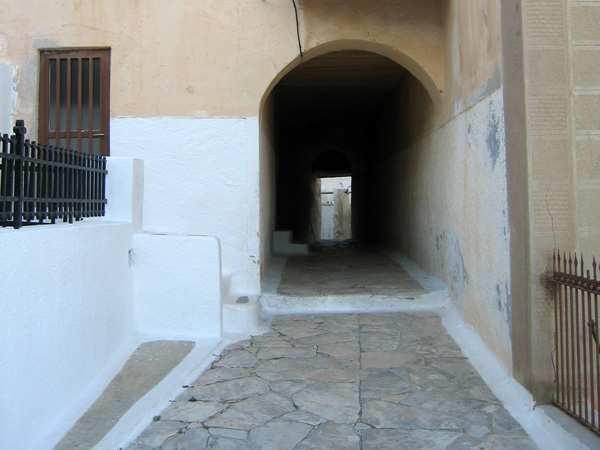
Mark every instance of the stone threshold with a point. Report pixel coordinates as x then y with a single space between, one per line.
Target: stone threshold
272 303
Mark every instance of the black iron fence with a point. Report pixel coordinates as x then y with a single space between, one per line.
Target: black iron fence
577 343
41 183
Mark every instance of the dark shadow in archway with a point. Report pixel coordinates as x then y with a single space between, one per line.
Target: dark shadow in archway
325 111
342 113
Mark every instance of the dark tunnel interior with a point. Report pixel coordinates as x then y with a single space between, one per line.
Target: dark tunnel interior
335 115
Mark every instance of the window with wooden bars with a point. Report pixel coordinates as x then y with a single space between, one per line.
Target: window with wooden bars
74 99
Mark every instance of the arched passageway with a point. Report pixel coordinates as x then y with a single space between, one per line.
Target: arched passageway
338 114
428 178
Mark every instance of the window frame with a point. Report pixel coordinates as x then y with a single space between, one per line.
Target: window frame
75 133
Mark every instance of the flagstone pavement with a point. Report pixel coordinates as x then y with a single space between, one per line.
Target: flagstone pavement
354 381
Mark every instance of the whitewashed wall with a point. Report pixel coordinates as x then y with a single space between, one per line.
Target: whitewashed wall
201 178
66 321
76 299
177 286
66 313
451 189
467 240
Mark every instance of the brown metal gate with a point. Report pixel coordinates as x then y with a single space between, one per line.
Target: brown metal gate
577 358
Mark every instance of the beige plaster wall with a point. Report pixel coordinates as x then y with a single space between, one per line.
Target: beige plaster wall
584 52
517 167
473 50
266 167
439 186
468 242
212 58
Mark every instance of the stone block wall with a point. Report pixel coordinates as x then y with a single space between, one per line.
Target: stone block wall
561 41
584 48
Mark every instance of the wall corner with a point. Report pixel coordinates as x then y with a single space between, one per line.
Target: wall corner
125 191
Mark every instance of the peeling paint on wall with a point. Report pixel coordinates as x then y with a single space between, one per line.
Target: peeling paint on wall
8 97
499 298
459 191
458 272
493 140
45 43
508 307
503 301
494 83
450 251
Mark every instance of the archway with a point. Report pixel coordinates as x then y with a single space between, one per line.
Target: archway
428 182
433 84
338 110
431 179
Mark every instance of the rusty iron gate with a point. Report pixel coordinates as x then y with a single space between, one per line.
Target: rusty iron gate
577 344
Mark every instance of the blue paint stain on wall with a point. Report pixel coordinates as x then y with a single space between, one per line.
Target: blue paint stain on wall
452 262
493 138
503 299
499 298
457 270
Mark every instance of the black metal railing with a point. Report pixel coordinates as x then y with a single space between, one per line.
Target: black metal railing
577 343
41 183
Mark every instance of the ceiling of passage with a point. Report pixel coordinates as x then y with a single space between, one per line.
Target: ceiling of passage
337 86
331 164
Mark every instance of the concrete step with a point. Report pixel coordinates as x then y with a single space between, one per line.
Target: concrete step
276 305
240 317
284 245
431 294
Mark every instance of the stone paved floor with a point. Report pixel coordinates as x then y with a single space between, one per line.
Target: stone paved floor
344 267
357 381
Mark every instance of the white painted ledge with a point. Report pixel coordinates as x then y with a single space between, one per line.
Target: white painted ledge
140 415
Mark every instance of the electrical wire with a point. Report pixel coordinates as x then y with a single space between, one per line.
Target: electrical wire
298 29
